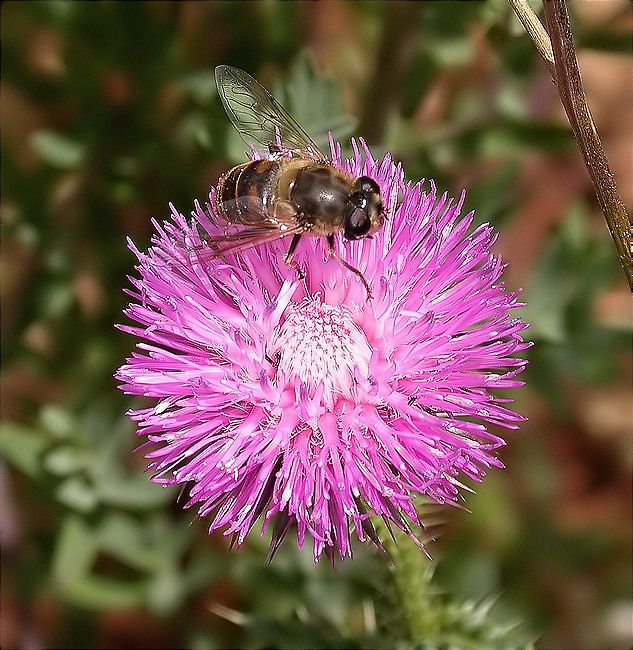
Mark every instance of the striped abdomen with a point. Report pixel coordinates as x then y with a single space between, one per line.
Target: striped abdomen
248 191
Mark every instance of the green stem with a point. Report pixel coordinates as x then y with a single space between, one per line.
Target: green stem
411 573
430 618
566 75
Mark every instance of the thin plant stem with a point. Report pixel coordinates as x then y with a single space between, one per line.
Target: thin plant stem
566 76
535 29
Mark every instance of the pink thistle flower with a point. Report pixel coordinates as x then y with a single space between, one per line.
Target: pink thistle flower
301 402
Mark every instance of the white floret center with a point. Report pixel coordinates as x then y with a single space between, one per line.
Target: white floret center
321 345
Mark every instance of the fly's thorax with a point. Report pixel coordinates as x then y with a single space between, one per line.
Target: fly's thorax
320 192
289 169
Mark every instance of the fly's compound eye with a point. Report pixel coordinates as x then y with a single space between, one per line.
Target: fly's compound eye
366 184
357 224
358 200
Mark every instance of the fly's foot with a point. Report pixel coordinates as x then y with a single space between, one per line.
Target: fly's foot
349 267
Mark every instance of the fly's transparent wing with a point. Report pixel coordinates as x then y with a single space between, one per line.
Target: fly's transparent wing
250 210
259 118
219 246
243 223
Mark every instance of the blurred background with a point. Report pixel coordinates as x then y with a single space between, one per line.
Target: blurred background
109 112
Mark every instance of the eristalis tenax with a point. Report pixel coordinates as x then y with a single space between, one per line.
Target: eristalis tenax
293 189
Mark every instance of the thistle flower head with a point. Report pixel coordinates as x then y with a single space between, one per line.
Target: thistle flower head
298 401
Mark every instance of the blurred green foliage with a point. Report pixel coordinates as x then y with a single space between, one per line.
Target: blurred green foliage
110 113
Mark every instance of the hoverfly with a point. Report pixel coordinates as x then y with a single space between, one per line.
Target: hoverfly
293 189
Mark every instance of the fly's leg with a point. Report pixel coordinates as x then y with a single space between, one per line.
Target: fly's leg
289 259
349 267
